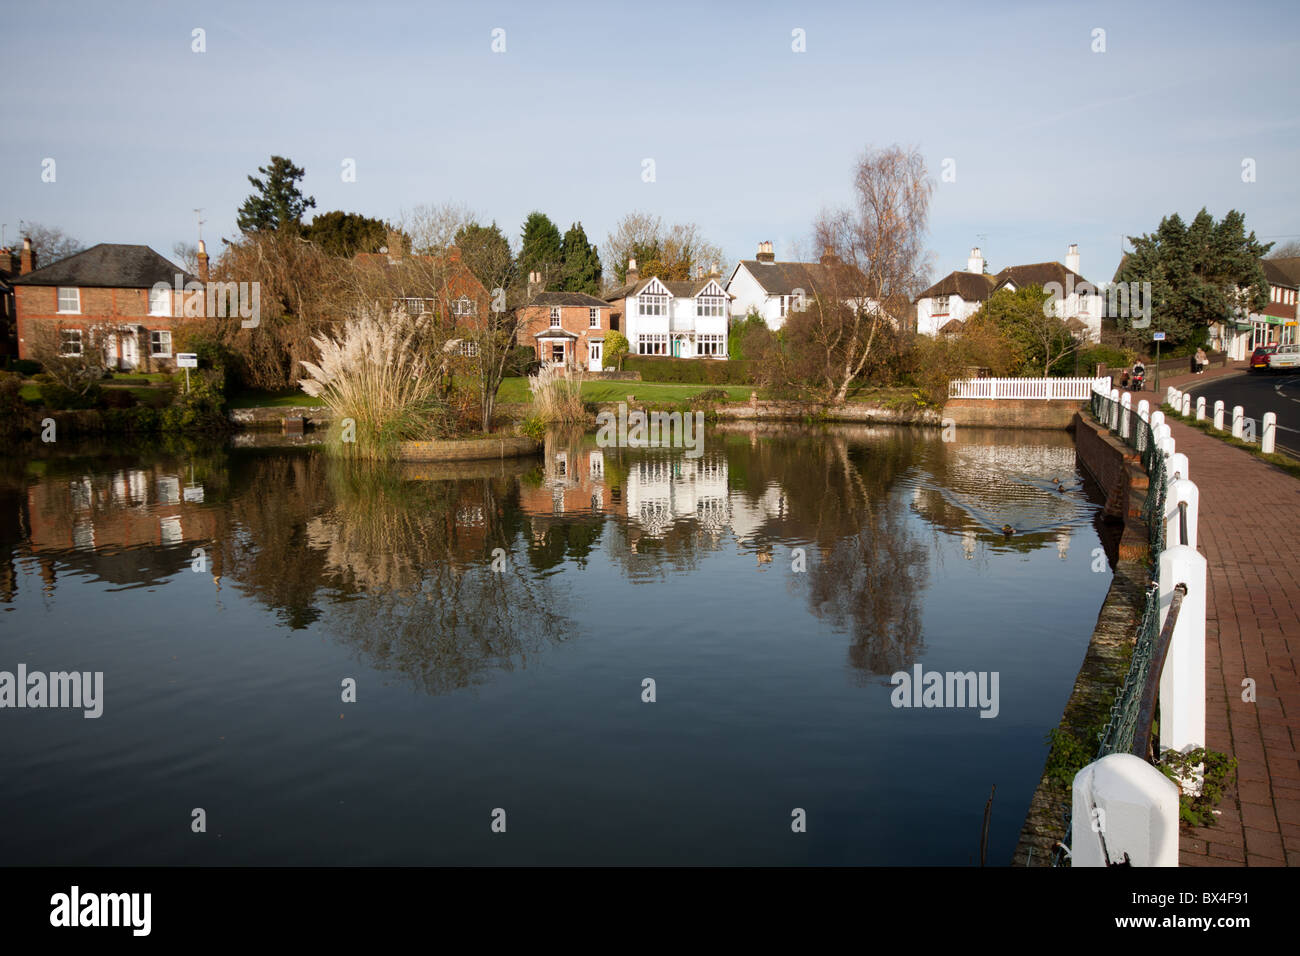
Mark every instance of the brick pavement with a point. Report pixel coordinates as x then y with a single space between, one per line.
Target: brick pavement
1248 522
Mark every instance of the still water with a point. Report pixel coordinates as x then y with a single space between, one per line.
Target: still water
500 620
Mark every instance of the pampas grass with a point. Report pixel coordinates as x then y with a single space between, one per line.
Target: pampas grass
377 375
557 395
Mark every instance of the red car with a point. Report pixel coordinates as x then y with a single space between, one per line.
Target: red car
1259 360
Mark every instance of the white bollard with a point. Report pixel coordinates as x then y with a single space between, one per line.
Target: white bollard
1268 438
1182 490
1166 446
1157 419
1218 415
1170 392
1159 433
1187 405
1144 410
1114 409
1177 466
1238 421
1200 408
1182 682
1122 808
1125 414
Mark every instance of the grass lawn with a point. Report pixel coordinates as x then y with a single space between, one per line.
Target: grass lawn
516 390
287 399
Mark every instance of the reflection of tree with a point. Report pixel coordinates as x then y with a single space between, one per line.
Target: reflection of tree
430 600
869 583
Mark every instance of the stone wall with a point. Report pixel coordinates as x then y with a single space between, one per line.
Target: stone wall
1012 412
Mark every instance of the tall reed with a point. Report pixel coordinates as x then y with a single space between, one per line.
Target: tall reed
557 395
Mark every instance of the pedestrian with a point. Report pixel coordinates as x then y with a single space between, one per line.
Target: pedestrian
1202 361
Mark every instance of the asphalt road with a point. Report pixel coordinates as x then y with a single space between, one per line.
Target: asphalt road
1257 393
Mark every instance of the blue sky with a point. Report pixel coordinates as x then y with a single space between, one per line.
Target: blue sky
1052 142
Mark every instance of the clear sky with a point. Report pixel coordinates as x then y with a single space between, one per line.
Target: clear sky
1052 143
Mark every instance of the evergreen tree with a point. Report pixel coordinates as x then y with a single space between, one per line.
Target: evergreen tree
346 233
1200 273
278 202
580 271
542 249
486 252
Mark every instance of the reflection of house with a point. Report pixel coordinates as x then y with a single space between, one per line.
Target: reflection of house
663 489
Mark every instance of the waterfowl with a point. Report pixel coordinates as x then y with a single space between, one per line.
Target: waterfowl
1008 530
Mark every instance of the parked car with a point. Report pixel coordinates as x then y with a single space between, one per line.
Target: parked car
1283 357
1259 358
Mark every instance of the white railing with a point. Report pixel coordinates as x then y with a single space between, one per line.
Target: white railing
1065 389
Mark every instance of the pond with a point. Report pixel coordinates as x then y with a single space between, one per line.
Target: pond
594 656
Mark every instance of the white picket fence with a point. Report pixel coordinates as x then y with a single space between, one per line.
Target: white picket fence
1066 389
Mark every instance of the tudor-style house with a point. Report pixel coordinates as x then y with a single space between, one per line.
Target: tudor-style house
775 289
103 298
567 329
675 318
958 295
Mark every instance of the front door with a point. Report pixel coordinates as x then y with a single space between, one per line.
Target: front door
593 356
130 350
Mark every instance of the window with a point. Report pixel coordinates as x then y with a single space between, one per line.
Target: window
69 300
464 306
940 305
555 316
71 342
709 305
654 344
557 354
413 307
593 318
160 301
160 343
711 345
653 305
468 348
784 303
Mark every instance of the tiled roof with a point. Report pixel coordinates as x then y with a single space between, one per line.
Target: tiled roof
1282 272
971 286
680 288
108 266
784 278
1038 273
568 298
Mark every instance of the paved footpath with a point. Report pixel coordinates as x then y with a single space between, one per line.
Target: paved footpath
1249 516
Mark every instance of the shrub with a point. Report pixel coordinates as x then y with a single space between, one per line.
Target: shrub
25 367
557 396
522 362
690 371
616 349
58 398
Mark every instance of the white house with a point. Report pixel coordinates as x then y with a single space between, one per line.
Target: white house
678 319
958 295
775 289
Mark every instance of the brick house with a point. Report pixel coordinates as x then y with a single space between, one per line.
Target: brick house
566 328
109 297
421 284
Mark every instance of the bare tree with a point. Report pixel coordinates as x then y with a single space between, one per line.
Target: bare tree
1287 250
432 228
50 243
72 355
670 252
875 260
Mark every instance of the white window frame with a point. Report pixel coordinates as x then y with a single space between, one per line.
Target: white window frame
464 306
555 316
652 304
66 338
153 345
708 306
942 305
711 345
652 343
76 294
163 297
593 318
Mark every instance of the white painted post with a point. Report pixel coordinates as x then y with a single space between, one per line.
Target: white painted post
1182 683
1218 415
1268 439
1157 419
1182 490
1126 412
1159 433
1200 408
1176 467
1238 421
1166 446
1144 410
994 389
1187 405
1114 409
1122 807
1169 395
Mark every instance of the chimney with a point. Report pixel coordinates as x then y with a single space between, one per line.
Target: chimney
8 262
1072 258
203 262
28 257
632 274
534 283
699 272
453 253
765 253
713 271
975 263
396 247
828 256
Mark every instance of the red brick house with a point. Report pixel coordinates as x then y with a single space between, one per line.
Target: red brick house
566 328
109 297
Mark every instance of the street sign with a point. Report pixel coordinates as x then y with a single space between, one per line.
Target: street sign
1157 336
187 360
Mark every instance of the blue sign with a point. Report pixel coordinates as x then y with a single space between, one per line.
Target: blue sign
1157 336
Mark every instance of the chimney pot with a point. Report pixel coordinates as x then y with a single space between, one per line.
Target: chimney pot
975 263
28 257
203 262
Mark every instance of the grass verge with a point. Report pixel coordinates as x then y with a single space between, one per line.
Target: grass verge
1285 462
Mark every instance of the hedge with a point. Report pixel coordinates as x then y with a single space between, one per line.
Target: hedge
701 371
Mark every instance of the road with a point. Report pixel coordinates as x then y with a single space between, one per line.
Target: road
1257 393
